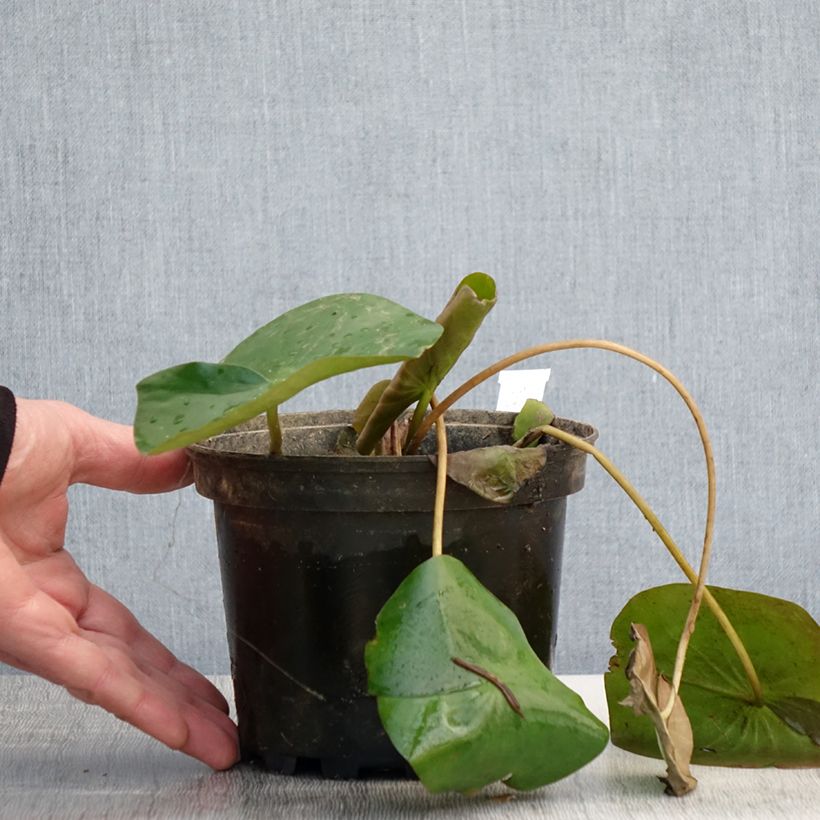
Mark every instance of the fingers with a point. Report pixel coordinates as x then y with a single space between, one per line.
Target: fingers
43 638
105 455
172 685
109 624
104 614
97 611
107 677
101 678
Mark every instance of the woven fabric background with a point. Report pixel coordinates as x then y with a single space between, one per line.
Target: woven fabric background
173 174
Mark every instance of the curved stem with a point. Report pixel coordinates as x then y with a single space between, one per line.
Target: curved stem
441 484
681 561
599 344
603 344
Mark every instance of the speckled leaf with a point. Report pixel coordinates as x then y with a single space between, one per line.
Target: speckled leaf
332 335
496 473
534 413
783 642
193 401
417 379
462 695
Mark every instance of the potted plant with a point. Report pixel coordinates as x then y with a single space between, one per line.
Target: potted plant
328 522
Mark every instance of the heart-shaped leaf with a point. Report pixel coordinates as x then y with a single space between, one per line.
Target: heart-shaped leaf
461 693
417 379
729 728
496 473
332 335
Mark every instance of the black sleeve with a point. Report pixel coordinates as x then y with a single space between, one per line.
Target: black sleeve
8 419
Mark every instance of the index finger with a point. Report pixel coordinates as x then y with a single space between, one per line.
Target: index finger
106 456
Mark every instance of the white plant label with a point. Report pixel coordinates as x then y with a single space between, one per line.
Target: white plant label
516 386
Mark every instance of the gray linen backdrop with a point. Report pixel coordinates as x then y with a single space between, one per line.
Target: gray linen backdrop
174 174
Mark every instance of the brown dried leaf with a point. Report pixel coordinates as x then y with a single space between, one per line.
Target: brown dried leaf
496 473
649 693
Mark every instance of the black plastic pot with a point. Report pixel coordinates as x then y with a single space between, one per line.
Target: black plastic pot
313 543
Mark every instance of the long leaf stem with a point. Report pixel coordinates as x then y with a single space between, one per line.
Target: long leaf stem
441 484
670 545
698 580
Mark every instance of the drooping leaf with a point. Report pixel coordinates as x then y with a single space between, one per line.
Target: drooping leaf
496 473
417 379
648 695
534 413
729 728
332 335
462 695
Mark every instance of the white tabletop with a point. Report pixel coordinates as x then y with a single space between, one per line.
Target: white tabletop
62 759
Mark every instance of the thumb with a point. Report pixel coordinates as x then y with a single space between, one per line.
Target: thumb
105 455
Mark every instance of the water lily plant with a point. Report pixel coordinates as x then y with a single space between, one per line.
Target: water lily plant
460 692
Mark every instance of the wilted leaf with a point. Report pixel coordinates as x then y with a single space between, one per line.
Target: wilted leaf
462 695
729 728
534 413
496 473
417 379
332 335
648 695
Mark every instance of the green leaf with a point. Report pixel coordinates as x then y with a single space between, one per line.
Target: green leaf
496 473
534 413
802 714
417 379
783 642
462 695
332 335
323 338
188 402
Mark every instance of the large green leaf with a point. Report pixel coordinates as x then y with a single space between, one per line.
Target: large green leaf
332 335
783 642
462 695
417 379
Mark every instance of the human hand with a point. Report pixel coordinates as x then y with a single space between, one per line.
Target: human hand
55 623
